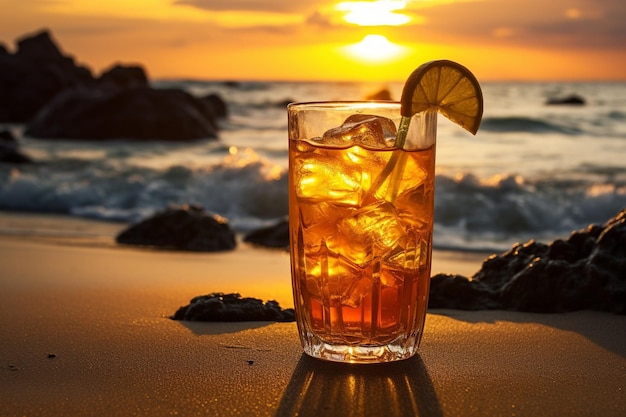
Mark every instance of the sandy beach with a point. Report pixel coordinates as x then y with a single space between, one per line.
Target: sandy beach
85 331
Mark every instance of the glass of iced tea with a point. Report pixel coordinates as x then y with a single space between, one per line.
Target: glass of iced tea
361 220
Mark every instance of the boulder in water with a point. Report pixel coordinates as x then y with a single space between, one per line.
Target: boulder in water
33 75
139 112
122 76
9 149
571 100
217 105
382 94
45 88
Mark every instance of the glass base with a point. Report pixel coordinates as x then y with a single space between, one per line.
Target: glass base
401 348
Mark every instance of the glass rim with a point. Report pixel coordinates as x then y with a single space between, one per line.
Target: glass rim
343 104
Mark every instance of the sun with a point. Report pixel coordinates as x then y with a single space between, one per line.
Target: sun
375 48
374 13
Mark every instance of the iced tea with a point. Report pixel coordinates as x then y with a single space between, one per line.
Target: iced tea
361 216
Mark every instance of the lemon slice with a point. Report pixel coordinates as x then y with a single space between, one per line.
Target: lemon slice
447 87
443 86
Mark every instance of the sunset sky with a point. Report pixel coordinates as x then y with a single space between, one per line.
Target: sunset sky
333 39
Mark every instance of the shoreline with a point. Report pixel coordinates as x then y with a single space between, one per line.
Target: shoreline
247 269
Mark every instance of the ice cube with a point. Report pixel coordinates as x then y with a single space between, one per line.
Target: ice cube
322 217
415 206
373 229
358 290
363 129
410 173
390 277
325 176
412 252
319 223
331 278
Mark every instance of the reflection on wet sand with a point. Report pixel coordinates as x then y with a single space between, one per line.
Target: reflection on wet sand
320 388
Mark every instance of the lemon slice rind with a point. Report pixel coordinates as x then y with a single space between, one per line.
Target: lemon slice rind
447 87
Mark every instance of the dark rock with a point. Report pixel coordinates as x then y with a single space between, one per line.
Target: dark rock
11 155
583 242
217 104
383 94
232 307
41 86
9 149
544 286
281 104
33 75
586 271
7 137
120 76
514 260
38 47
571 100
187 228
456 291
563 250
275 236
141 113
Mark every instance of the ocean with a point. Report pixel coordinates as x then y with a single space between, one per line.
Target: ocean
533 171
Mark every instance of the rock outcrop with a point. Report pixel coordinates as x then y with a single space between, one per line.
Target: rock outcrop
58 99
33 75
140 113
586 271
187 228
9 150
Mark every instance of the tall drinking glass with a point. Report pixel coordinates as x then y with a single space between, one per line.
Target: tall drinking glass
361 219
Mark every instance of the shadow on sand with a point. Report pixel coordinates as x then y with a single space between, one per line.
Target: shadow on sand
604 329
200 328
319 388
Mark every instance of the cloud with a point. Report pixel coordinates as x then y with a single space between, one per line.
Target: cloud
272 6
272 16
533 23
320 19
528 23
598 23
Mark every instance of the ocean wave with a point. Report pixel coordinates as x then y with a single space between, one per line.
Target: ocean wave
525 124
471 213
243 187
574 177
494 213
